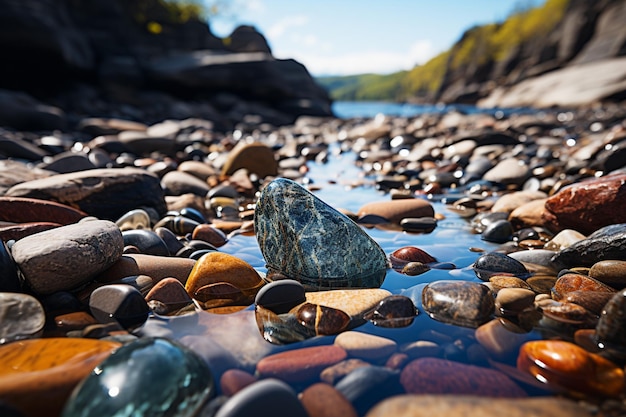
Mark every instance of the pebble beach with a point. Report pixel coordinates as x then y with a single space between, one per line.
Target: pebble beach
446 263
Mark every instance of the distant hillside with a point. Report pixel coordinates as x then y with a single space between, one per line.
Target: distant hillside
529 43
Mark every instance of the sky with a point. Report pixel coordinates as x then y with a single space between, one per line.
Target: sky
345 37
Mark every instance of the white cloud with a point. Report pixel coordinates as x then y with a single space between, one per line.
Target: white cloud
372 61
255 6
280 27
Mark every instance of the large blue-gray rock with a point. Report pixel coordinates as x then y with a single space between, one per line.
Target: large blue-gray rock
305 239
149 377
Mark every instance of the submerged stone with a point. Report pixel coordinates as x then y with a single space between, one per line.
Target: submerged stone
148 377
305 239
462 303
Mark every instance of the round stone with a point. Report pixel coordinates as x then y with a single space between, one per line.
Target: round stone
215 267
365 346
462 303
119 303
499 231
400 257
22 316
263 399
234 380
147 241
151 376
280 296
495 263
323 400
514 300
610 328
610 272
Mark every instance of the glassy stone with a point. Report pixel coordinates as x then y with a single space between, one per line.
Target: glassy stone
280 329
462 303
148 377
119 303
311 242
496 263
393 311
147 241
280 296
321 319
499 231
565 366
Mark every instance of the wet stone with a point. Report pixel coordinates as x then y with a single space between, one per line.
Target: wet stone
119 303
280 329
458 406
162 375
217 267
514 300
461 303
68 256
610 328
493 263
610 272
564 239
22 317
335 372
499 282
498 340
209 234
47 370
170 292
365 346
146 241
418 225
393 311
366 386
321 319
354 302
263 399
594 301
280 296
541 284
25 210
499 231
397 210
457 379
415 268
400 257
588 205
564 366
300 365
607 243
322 400
315 244
570 282
234 380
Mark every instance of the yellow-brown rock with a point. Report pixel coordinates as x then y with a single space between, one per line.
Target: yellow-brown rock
37 376
217 267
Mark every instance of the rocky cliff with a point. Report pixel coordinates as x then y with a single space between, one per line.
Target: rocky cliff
140 59
566 53
562 53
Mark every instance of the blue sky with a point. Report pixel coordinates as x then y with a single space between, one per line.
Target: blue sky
341 37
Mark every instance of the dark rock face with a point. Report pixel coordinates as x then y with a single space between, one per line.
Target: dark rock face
121 51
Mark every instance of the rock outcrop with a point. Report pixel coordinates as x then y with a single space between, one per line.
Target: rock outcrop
140 60
579 61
